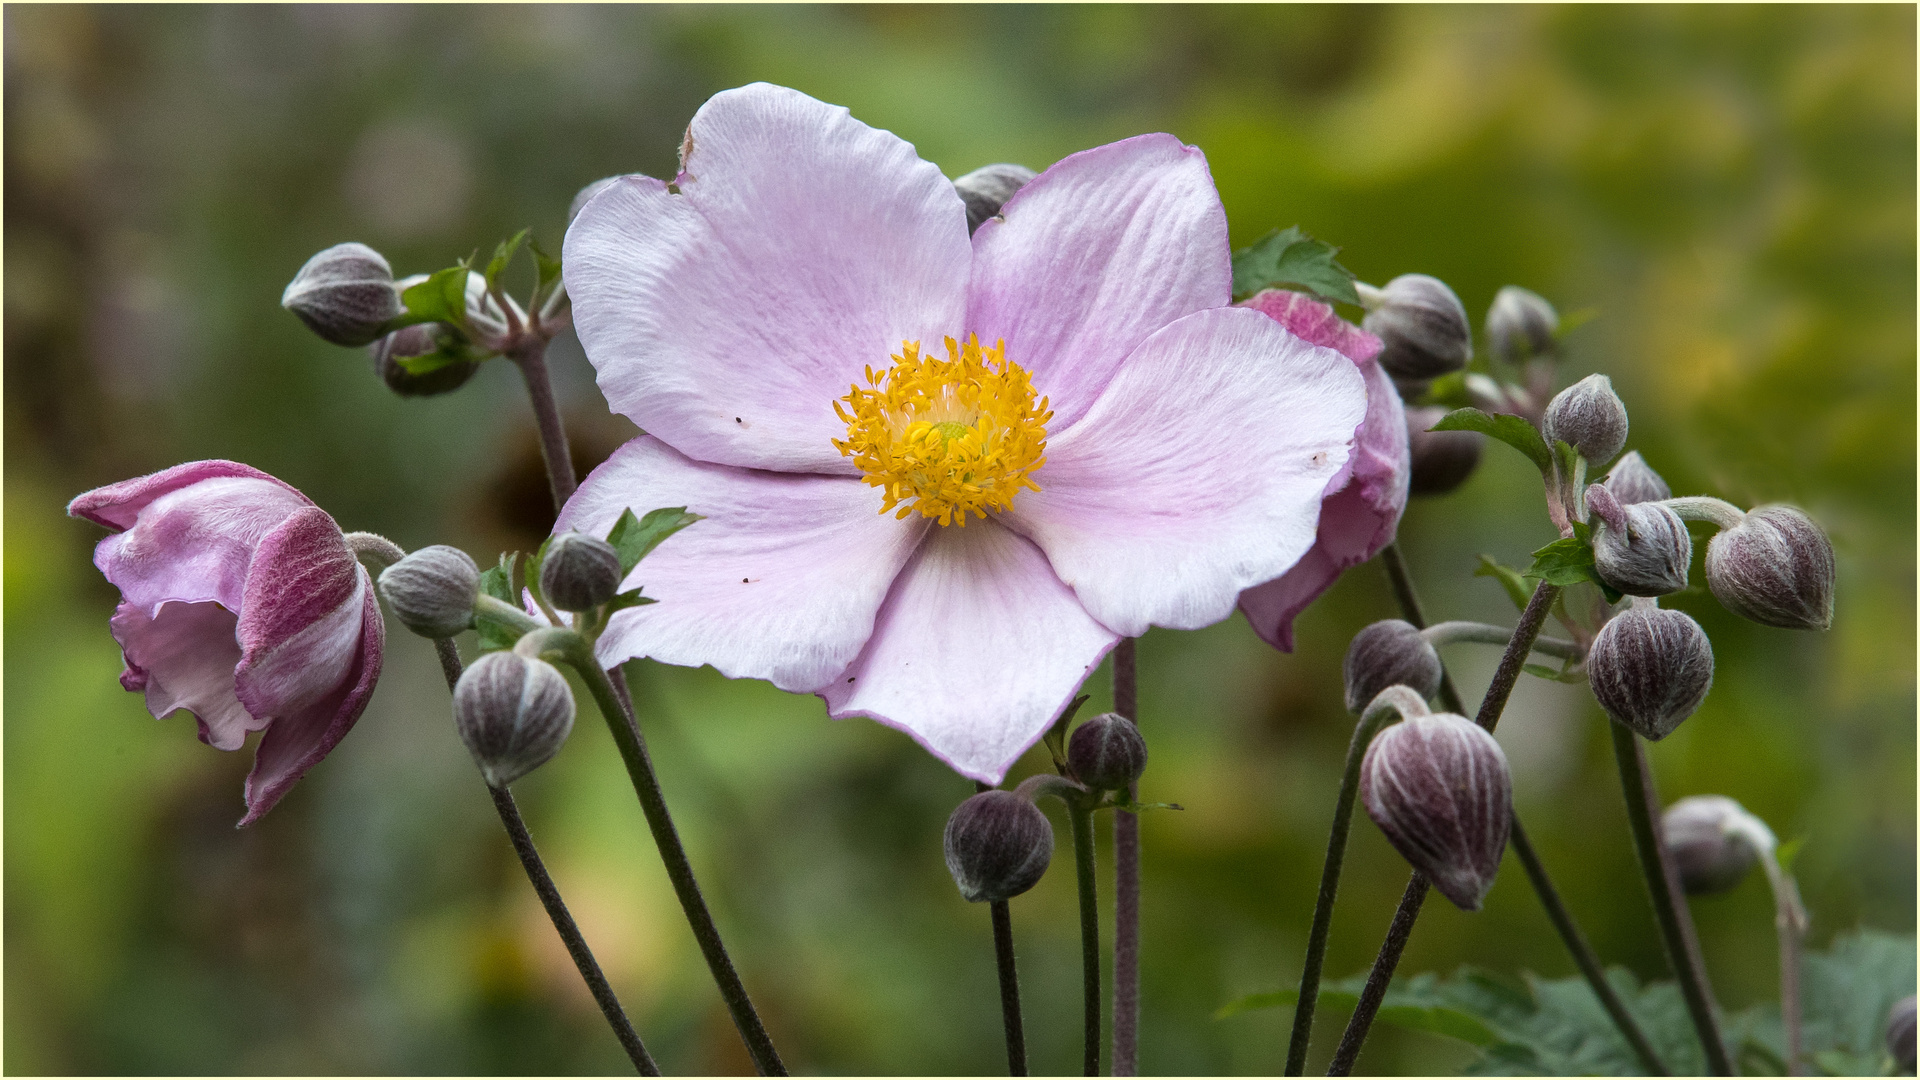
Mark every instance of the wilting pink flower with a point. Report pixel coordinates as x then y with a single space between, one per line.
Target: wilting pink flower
241 603
950 545
1364 500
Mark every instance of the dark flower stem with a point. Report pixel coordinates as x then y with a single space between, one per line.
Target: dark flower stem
549 894
1663 887
1126 887
1080 813
1532 618
1009 988
530 356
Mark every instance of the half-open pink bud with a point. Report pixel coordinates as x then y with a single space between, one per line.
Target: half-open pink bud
1650 668
1776 568
1641 549
1438 786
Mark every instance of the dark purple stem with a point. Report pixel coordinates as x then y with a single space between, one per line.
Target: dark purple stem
1126 887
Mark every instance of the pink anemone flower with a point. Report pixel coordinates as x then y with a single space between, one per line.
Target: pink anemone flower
1364 501
241 603
942 475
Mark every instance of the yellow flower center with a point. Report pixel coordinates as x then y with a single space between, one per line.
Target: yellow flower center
946 437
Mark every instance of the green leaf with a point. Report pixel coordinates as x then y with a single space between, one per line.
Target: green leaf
1056 736
546 274
630 598
495 636
1567 561
533 568
633 537
1541 671
1271 999
1509 579
1291 257
497 582
1515 431
502 255
440 298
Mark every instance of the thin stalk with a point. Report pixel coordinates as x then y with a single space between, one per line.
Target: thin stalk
1080 813
1009 988
1663 887
576 650
1125 1057
531 358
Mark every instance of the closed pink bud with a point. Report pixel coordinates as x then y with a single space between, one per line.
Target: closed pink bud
1438 786
1776 568
1650 668
1641 549
1391 652
998 845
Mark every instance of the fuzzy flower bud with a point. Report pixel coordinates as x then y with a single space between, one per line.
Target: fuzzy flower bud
1389 653
1589 417
1441 460
1900 1034
433 590
1438 786
1521 324
345 294
1650 668
1422 324
998 845
412 341
1107 753
986 189
579 573
1776 568
1642 549
513 713
1710 849
1634 481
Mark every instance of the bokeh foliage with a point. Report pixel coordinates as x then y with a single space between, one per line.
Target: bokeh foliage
1731 187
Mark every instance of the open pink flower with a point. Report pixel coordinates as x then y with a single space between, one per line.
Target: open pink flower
241 603
1364 500
946 545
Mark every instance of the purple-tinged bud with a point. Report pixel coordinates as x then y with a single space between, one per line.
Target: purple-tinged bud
1438 786
585 195
1441 460
1521 324
1632 480
986 189
1710 849
1589 417
433 590
579 572
1900 1034
1642 549
1107 753
1650 668
345 294
1776 568
1390 652
513 713
998 845
1422 325
411 341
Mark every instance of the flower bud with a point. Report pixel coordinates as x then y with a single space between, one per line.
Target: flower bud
417 341
345 294
1709 850
1521 324
1634 481
1422 325
513 713
579 573
1589 417
1389 653
1650 668
998 845
1107 753
1642 549
585 195
1900 1034
1776 568
986 189
433 590
1438 786
1441 460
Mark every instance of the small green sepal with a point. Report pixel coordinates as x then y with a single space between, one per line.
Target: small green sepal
1291 257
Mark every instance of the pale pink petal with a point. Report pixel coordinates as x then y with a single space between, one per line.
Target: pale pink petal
978 649
117 505
300 622
801 248
183 658
780 582
192 543
1092 256
1197 474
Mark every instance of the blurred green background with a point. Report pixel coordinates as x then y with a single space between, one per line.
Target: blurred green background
1731 187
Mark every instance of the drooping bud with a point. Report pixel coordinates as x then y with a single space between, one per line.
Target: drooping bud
579 572
1107 753
998 845
585 195
1900 1034
411 341
986 189
513 713
1632 480
345 294
1390 652
1642 549
1710 850
1776 568
1422 325
433 590
1650 668
1442 460
1439 787
1589 417
1521 324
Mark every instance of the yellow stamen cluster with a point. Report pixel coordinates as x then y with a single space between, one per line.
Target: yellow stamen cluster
946 437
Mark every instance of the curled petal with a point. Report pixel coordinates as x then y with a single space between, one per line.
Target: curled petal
117 506
194 543
183 658
300 619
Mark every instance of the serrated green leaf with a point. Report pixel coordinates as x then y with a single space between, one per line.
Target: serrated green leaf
1567 561
497 582
440 298
503 255
633 537
546 274
494 636
1291 257
1508 577
1515 431
533 567
630 598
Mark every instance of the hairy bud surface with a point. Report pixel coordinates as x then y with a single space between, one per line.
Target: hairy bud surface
1642 549
1422 326
1439 787
1107 753
1632 480
1521 324
1900 1033
1589 417
433 590
345 294
513 713
1650 668
1709 850
986 189
1776 568
579 572
998 845
1391 652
